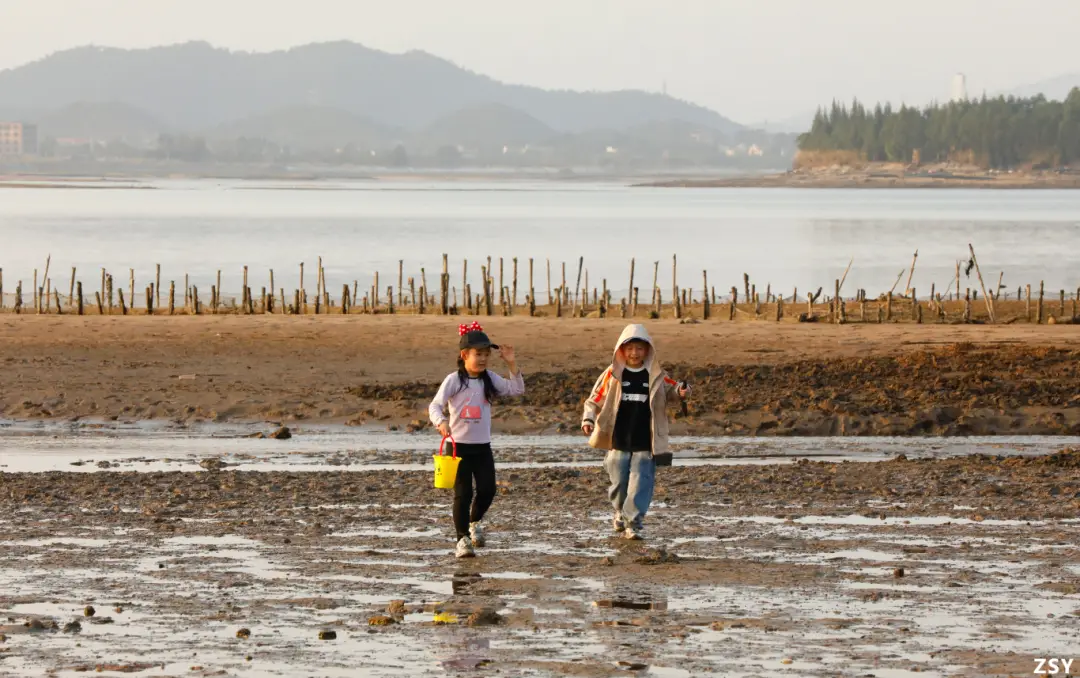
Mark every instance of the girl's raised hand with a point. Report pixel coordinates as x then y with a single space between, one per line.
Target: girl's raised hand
507 353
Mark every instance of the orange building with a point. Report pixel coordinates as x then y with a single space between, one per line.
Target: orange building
17 138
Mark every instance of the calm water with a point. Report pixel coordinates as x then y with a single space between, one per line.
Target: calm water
787 237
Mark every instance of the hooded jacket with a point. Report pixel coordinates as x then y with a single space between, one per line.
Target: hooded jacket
602 406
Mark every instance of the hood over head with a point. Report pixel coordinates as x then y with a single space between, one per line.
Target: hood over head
630 333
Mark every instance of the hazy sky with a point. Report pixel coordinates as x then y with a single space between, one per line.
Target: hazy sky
749 60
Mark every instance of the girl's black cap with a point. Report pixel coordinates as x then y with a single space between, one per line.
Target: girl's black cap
476 339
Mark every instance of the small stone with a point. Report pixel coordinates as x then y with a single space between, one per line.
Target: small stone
247 658
282 433
73 627
898 572
786 660
396 608
118 609
89 611
327 635
484 618
608 561
243 633
381 620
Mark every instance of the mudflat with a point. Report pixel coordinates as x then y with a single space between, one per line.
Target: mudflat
960 567
753 377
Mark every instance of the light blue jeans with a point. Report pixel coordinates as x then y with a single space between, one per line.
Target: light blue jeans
633 477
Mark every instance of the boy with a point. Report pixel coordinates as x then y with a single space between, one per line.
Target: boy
625 415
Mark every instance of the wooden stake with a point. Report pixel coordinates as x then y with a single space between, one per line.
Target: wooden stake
900 275
888 307
157 285
989 299
577 285
172 297
746 287
549 282
1028 307
123 306
79 299
502 297
705 281
71 290
734 303
1039 311
844 277
401 278
907 287
838 314
100 305
487 290
513 293
675 281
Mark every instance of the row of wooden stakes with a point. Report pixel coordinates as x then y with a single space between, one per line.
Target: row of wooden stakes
502 298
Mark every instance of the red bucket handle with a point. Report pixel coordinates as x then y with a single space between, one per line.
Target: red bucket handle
442 446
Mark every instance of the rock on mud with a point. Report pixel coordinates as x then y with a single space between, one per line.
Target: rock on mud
243 633
327 635
484 618
89 611
381 620
657 556
282 433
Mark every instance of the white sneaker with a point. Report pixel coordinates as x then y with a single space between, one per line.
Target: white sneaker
464 548
477 534
633 533
618 524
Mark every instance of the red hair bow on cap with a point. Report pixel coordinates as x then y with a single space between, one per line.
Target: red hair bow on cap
465 329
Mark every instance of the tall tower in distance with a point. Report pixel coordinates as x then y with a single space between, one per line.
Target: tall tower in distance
959 87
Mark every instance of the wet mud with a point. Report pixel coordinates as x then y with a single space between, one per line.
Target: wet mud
959 390
963 566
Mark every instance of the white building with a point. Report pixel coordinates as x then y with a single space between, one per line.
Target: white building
959 87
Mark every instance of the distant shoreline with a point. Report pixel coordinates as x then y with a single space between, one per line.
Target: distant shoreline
862 179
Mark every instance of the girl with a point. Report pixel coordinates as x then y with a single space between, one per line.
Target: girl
468 394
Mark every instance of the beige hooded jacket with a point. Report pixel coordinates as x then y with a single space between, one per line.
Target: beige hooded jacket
602 406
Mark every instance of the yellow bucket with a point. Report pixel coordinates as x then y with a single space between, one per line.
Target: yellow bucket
446 467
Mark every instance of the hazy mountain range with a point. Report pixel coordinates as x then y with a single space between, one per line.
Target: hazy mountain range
195 87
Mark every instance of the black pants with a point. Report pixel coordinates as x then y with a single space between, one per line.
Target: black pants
476 463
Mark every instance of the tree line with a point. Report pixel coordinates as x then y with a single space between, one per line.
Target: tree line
999 133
